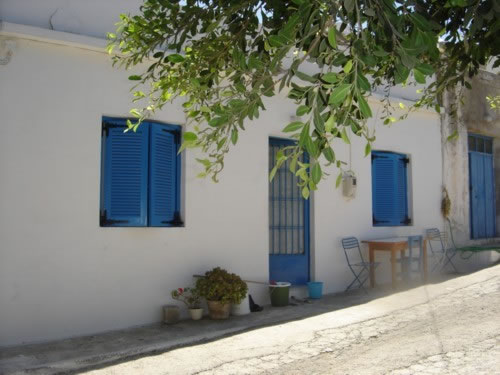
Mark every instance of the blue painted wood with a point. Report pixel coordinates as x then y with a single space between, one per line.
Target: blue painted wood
124 174
482 187
289 231
389 189
164 176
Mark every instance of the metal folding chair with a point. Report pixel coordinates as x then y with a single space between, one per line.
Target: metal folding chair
415 243
438 243
359 268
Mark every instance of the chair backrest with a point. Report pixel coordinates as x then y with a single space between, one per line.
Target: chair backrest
350 244
413 243
437 240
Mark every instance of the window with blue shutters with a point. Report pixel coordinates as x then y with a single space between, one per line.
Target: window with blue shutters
390 189
140 175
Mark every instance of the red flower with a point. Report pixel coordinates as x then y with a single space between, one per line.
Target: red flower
180 290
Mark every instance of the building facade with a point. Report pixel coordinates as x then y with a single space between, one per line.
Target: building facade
64 272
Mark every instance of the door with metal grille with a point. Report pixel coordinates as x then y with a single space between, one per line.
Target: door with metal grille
288 222
482 187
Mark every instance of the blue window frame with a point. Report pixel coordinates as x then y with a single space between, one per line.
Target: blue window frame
390 189
140 175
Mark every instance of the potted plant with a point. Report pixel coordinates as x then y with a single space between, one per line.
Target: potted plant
221 289
191 298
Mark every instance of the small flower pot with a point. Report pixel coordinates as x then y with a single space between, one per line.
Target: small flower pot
196 314
218 310
171 314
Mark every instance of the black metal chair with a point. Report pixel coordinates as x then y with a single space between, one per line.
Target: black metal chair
360 269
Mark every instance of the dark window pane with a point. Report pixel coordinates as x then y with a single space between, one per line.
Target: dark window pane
472 143
488 146
480 144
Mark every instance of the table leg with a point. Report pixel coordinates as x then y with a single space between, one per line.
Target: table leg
371 253
424 260
393 267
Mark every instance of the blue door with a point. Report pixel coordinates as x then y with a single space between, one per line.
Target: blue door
482 187
288 222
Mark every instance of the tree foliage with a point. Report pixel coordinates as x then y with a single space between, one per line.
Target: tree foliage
225 56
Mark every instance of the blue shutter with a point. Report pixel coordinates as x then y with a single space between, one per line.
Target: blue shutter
389 189
164 176
124 174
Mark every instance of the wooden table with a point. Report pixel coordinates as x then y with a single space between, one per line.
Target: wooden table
394 245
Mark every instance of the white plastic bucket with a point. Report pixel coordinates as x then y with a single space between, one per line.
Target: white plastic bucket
242 308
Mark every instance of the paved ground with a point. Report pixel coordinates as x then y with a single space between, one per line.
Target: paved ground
446 328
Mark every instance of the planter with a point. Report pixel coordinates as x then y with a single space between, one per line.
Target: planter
196 314
171 314
218 310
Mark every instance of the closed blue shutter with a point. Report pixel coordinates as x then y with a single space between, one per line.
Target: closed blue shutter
164 176
125 175
389 189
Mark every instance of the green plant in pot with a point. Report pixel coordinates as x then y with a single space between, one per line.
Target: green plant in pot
191 298
221 289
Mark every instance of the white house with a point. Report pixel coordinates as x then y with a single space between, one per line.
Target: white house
63 272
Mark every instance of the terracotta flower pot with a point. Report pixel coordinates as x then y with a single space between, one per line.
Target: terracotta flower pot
218 310
196 314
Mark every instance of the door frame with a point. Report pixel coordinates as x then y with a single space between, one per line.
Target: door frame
286 260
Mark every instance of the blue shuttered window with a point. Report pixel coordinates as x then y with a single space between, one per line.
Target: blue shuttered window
140 175
390 189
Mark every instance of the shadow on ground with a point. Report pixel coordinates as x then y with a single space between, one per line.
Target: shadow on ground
98 351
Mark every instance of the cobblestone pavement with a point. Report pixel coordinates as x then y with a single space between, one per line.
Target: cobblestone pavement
457 332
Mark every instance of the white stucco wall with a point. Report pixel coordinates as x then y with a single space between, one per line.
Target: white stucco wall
62 275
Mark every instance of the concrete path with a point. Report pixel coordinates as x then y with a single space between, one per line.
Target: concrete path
450 327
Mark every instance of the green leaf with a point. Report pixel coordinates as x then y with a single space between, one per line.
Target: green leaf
329 123
364 107
234 136
345 137
305 192
175 58
304 135
348 67
302 110
419 77
363 83
425 69
293 126
329 154
332 37
339 180
339 94
305 77
134 78
349 5
368 149
316 173
330 77
205 162
190 137
273 172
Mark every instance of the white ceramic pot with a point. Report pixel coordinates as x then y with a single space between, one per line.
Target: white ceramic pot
196 314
